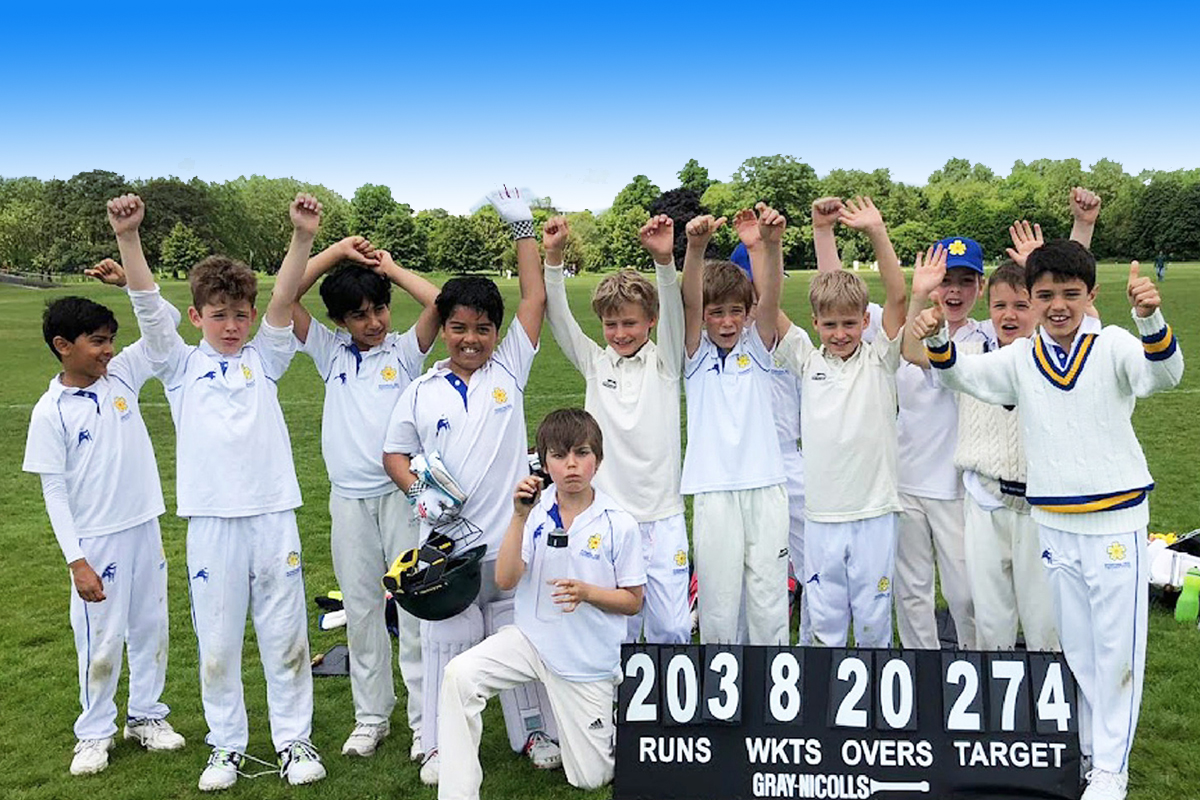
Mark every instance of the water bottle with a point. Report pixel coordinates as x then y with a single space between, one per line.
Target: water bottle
1187 607
555 558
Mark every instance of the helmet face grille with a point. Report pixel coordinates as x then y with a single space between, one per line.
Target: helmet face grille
437 591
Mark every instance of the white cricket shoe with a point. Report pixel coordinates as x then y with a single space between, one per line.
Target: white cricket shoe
365 738
91 755
543 751
221 772
153 734
430 769
300 763
1106 785
415 751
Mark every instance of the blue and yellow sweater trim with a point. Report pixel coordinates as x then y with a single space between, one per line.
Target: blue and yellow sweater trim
1065 377
1160 346
941 356
1087 503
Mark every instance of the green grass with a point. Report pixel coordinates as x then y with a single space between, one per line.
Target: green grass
38 689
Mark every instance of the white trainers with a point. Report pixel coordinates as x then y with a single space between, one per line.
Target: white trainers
1106 785
153 734
415 752
300 763
365 738
430 769
543 751
91 755
221 772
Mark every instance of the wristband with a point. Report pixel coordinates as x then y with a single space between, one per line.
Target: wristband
414 491
521 229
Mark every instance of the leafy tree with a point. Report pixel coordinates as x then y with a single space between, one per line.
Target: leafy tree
585 246
782 182
457 245
680 205
639 192
694 177
955 170
622 247
398 233
181 249
23 240
170 201
370 204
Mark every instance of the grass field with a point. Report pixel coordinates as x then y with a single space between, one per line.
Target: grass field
38 689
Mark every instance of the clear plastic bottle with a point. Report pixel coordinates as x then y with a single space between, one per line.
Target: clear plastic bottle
556 558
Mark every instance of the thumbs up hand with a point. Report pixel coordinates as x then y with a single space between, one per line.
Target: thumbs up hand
1143 294
930 320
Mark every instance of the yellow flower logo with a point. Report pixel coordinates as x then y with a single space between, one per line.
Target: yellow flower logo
594 542
957 248
246 373
1116 551
499 395
681 558
293 559
388 374
121 404
883 584
743 360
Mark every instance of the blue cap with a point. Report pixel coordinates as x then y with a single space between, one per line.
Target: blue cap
963 252
741 257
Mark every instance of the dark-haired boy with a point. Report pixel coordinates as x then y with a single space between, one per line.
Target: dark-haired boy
469 409
571 611
365 367
89 445
1076 384
236 484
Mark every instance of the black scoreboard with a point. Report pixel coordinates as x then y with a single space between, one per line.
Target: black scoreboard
722 721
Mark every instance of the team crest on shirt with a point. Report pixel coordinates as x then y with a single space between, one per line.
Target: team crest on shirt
743 361
388 374
592 550
122 407
500 396
883 586
248 374
1117 556
293 562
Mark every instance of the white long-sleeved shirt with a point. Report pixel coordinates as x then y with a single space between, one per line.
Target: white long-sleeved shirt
1086 470
635 400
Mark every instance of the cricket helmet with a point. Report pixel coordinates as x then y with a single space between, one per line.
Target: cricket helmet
441 577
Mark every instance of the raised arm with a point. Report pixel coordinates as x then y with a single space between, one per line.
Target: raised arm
515 210
1160 365
768 227
305 213
107 271
699 230
1025 240
990 377
125 215
573 342
1085 208
419 289
658 237
862 215
825 213
928 273
352 248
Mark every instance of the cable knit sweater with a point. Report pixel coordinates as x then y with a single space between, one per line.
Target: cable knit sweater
989 436
1086 470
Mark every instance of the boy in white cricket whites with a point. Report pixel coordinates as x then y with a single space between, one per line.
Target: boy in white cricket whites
1076 384
236 485
365 366
571 609
633 388
99 477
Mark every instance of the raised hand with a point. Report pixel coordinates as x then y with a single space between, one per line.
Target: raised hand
510 205
125 214
745 222
771 224
305 212
826 211
1143 294
526 495
658 237
385 266
107 271
861 214
929 271
360 251
1025 240
700 229
555 233
1085 205
929 321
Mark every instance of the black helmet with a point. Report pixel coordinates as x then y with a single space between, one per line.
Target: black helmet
438 579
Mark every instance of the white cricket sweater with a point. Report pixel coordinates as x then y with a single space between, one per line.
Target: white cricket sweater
989 436
1086 470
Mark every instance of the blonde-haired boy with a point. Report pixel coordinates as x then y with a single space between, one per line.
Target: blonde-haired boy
633 389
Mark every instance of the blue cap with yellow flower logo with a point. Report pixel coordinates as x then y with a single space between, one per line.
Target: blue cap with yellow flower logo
963 252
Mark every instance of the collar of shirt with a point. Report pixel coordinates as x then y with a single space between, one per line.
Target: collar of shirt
212 352
96 392
639 357
1089 325
600 503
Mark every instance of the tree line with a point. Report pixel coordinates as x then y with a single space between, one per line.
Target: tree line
59 226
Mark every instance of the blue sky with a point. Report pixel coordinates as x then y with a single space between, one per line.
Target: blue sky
441 101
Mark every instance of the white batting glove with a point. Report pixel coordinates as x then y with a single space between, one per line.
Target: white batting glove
514 210
435 506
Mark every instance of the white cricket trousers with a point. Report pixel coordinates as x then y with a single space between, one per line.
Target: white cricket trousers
1101 591
250 563
1008 581
665 617
926 525
504 660
848 569
131 617
741 544
793 465
367 535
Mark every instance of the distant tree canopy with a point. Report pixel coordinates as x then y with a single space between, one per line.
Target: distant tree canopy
59 225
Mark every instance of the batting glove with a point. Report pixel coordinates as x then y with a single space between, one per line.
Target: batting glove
514 210
435 506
